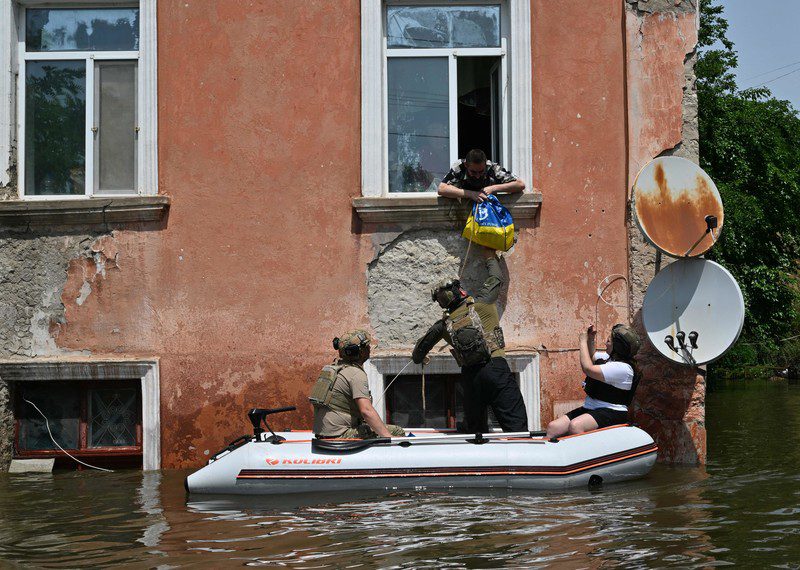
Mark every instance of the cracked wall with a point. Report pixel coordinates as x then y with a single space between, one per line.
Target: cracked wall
34 270
241 294
400 278
662 114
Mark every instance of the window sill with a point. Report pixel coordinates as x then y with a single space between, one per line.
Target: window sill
83 211
431 208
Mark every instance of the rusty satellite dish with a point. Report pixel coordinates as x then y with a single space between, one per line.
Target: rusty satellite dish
693 311
678 207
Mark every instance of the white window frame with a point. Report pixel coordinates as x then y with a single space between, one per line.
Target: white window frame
381 369
452 55
146 371
12 100
517 132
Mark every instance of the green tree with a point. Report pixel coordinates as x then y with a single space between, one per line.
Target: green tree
750 146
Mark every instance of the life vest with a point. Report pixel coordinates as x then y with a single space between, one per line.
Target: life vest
608 393
323 395
471 344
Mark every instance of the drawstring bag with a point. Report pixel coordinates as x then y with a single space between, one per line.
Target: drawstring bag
490 225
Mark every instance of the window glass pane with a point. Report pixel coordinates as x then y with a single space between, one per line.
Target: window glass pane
55 127
113 413
443 26
60 403
419 123
116 137
70 29
404 399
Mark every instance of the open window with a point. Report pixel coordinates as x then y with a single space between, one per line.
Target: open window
446 90
458 55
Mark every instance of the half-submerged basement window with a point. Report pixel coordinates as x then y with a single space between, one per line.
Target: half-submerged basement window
446 90
79 132
441 408
96 422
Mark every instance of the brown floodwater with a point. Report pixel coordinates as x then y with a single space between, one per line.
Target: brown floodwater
742 509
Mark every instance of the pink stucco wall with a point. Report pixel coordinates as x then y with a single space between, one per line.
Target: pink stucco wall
260 260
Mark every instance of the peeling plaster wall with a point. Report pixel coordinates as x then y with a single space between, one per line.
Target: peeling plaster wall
33 273
263 259
400 279
662 116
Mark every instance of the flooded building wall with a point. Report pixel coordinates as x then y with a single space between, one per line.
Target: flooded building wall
661 40
263 258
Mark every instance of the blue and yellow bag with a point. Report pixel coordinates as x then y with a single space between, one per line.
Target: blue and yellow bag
490 225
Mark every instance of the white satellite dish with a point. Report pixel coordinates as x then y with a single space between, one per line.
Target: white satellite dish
693 311
678 207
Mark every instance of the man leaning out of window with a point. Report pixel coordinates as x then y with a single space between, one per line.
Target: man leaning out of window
475 177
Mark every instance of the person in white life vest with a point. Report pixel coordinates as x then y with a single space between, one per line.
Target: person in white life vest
610 383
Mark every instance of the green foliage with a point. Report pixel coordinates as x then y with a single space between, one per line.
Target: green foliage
750 146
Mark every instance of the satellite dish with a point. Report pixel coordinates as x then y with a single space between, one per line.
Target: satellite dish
678 207
693 311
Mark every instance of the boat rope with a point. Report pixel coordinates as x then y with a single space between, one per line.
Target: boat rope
375 403
604 284
424 406
47 423
466 255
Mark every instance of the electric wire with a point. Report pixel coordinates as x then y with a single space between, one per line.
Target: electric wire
770 71
600 290
375 403
47 423
775 79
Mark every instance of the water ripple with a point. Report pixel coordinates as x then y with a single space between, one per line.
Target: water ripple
742 509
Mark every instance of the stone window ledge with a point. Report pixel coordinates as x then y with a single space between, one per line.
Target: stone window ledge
83 211
73 369
430 208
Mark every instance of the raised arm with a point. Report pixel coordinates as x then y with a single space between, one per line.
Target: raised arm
494 282
586 345
427 342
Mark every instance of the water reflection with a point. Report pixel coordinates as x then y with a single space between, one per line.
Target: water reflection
744 510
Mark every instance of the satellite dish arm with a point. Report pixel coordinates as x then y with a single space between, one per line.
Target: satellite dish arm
711 223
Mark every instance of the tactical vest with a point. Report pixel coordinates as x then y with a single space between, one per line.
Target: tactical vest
471 344
323 395
608 393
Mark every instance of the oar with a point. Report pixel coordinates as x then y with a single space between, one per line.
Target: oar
477 438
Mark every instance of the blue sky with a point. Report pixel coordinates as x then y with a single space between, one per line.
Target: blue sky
767 37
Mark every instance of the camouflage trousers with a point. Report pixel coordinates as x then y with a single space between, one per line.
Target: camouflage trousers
363 431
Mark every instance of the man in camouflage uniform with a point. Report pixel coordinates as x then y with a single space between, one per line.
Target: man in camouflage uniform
472 327
341 398
475 177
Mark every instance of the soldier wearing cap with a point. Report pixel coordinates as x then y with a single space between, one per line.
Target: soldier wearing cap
472 327
341 398
611 381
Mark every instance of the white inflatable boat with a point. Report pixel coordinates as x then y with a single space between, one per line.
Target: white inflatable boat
296 462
